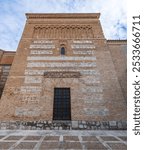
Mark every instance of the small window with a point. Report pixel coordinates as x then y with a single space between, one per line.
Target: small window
62 50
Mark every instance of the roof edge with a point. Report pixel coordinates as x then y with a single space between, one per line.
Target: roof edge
7 51
117 41
62 15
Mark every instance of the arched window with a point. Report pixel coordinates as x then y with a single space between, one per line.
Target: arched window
62 51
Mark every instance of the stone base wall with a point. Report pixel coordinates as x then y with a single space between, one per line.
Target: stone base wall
63 125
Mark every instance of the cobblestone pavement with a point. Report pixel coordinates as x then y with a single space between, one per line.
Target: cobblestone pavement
60 139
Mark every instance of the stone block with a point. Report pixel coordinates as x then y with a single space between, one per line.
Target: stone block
60 128
105 125
81 126
74 124
113 125
124 125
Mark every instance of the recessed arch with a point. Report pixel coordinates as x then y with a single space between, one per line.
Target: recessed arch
62 49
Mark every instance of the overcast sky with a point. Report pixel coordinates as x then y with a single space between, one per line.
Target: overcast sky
12 16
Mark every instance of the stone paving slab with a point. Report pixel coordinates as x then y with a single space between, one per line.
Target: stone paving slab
25 145
34 138
13 138
89 138
72 145
94 145
124 138
50 145
109 138
62 140
51 138
5 145
117 146
70 138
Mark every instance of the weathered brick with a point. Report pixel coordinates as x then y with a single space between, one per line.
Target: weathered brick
93 68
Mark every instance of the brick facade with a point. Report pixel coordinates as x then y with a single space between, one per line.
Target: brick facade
92 67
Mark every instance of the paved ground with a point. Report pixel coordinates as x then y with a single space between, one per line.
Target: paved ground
50 140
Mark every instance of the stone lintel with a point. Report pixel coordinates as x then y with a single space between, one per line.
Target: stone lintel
62 74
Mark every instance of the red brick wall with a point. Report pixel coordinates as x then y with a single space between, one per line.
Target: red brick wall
6 59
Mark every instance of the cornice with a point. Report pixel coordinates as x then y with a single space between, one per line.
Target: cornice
62 15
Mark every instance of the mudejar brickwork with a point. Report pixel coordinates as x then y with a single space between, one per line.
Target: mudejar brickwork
64 70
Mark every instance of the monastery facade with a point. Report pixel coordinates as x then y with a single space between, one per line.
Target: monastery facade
64 70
